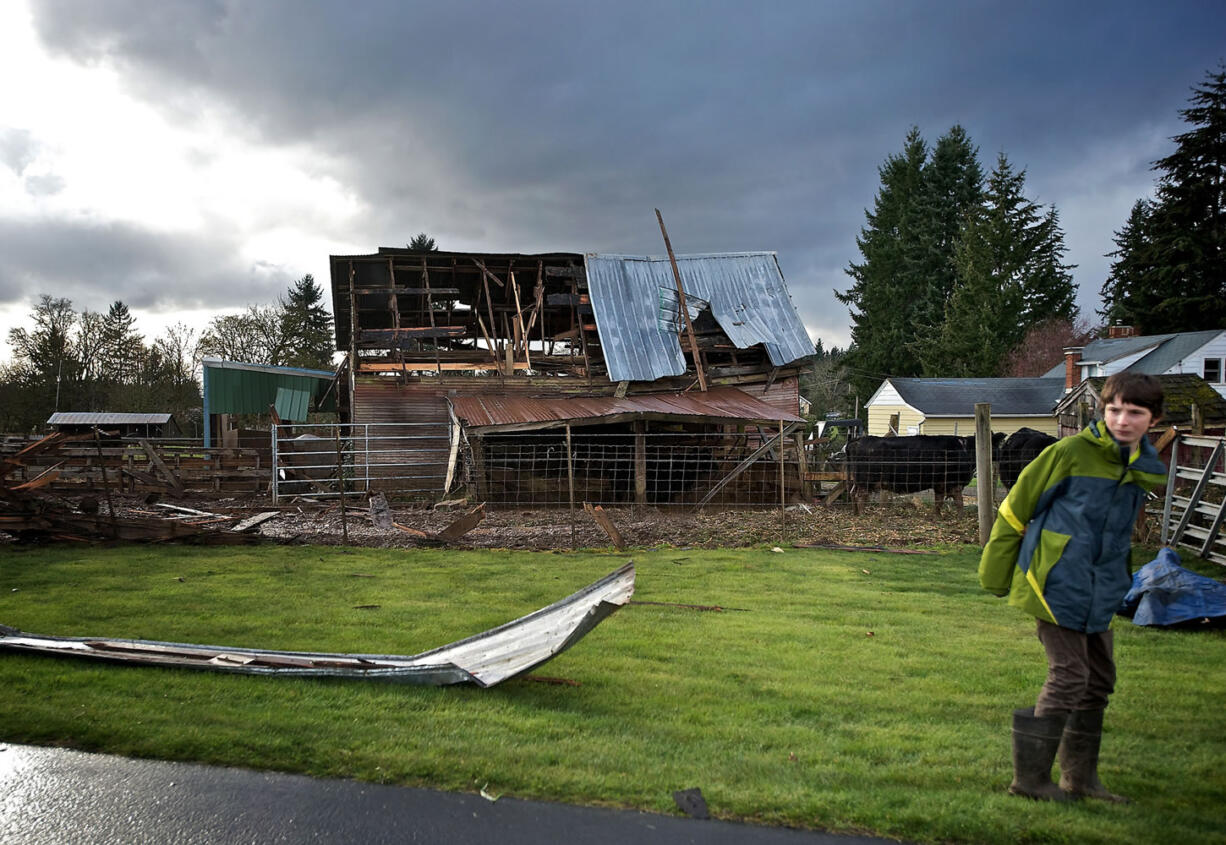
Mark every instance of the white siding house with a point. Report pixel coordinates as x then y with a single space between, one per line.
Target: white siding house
1185 353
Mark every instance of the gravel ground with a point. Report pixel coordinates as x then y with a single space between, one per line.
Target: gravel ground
903 522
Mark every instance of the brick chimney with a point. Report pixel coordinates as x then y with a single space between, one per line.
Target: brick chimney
1120 331
1072 367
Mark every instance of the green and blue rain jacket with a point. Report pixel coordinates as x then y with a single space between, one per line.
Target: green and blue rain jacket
1061 544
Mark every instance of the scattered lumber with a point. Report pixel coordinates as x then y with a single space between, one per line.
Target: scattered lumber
183 510
29 512
253 521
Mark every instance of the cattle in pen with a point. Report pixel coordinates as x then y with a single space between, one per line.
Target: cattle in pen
941 463
1022 447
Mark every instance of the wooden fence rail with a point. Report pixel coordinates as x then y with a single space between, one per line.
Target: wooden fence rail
140 466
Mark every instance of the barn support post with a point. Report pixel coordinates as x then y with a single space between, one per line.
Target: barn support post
640 462
477 442
983 469
783 490
802 464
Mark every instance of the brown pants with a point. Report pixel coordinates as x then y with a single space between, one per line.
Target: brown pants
1080 670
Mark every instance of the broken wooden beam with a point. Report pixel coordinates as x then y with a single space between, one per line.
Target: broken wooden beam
463 525
156 460
252 521
602 519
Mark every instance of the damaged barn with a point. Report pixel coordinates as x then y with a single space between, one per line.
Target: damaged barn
545 379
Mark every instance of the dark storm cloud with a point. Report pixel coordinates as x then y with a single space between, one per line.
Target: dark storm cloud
94 264
531 126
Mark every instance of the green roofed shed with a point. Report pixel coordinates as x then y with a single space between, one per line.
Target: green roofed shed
231 387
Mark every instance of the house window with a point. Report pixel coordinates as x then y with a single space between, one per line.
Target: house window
1213 370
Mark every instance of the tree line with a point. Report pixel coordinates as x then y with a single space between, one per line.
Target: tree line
957 266
69 360
1169 273
961 274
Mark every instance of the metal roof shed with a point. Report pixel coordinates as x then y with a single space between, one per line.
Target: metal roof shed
127 423
231 387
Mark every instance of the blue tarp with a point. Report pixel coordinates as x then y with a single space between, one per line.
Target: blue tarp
1164 593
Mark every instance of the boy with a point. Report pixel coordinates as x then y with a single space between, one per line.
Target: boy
1060 549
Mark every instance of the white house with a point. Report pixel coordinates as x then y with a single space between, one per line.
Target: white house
1184 353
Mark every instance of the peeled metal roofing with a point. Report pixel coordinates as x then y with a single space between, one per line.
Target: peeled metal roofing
501 410
746 292
103 418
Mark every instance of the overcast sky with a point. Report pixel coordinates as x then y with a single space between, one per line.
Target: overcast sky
190 158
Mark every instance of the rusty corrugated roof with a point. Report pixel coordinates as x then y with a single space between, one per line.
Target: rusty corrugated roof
503 411
744 290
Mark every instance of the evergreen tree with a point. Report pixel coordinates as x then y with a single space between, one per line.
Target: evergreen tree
1009 276
952 189
883 295
307 326
122 347
422 243
1126 294
1170 268
1049 292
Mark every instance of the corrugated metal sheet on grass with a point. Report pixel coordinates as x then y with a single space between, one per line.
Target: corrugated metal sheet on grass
746 292
492 410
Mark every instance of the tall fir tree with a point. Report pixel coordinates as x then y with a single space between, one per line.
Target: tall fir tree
1126 293
1170 268
1050 292
884 291
1009 276
952 189
122 346
307 326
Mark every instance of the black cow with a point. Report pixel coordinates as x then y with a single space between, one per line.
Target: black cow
941 463
1022 447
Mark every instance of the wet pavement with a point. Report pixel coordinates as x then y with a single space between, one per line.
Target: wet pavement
54 795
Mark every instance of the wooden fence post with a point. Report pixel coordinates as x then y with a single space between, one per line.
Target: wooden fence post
570 481
984 483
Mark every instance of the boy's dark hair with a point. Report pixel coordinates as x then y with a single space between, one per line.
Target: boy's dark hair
1134 388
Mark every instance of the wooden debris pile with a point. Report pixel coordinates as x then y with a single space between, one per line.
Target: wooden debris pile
30 513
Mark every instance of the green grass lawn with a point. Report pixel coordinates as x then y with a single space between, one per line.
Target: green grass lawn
846 691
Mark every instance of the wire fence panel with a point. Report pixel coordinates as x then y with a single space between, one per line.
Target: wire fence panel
749 468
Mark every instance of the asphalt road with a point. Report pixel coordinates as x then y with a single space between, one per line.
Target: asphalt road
61 797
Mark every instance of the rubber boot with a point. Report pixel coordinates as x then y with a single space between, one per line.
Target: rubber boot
1083 734
1035 741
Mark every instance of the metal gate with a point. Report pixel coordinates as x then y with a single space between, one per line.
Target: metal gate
412 459
1196 497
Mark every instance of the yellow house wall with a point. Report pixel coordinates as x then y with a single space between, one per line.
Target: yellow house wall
879 418
965 426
